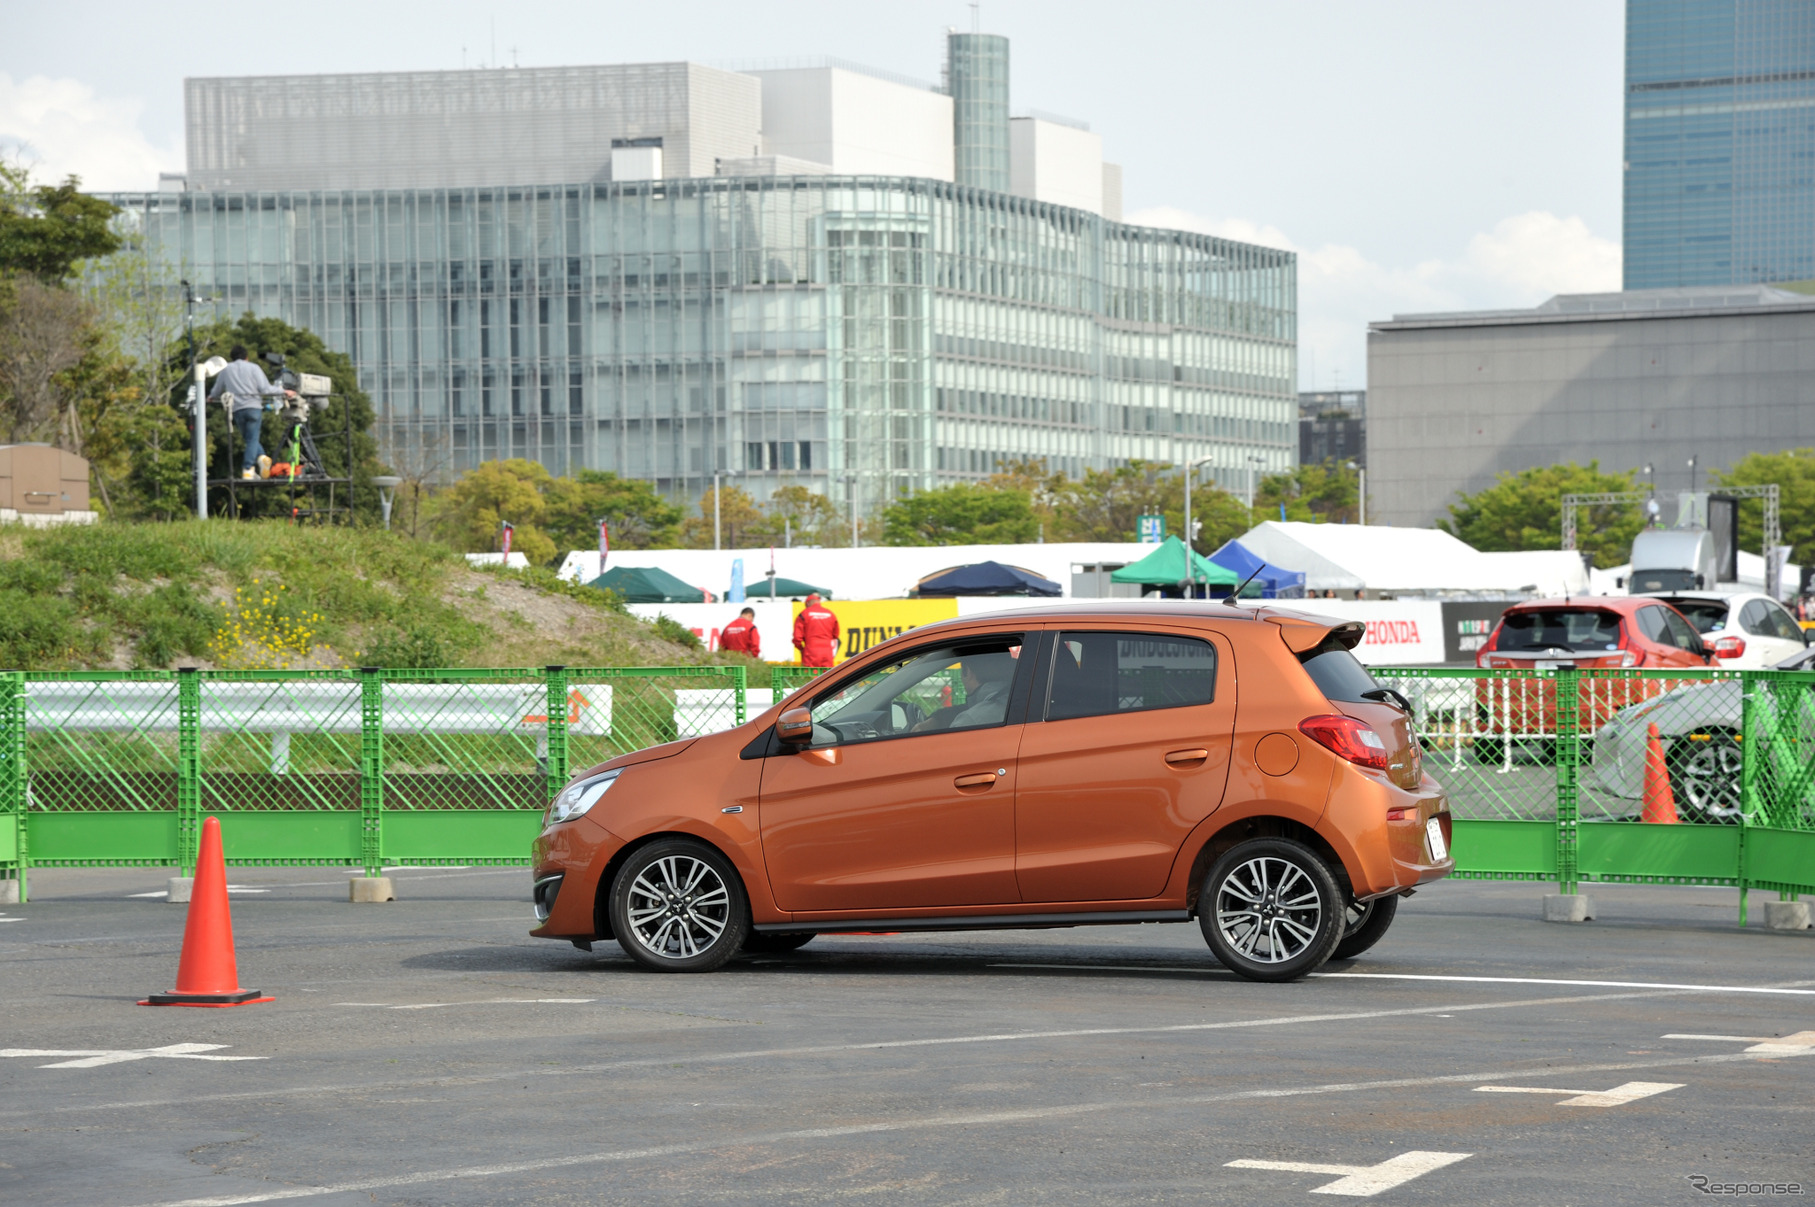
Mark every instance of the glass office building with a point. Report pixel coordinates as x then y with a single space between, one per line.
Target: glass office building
876 335
1720 142
976 77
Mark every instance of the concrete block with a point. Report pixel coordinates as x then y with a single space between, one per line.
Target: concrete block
9 892
180 887
370 889
1787 915
1568 907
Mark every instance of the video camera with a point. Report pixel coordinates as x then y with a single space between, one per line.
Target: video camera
312 389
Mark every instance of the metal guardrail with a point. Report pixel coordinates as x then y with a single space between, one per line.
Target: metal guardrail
1545 769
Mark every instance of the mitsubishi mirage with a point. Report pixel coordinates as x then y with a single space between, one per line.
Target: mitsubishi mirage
1072 766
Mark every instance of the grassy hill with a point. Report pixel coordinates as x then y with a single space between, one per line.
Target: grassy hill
219 594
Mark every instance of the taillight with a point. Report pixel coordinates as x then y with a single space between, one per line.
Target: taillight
1346 738
1730 647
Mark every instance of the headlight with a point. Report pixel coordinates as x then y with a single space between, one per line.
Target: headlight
576 799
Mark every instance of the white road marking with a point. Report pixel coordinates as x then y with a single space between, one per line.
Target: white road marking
1799 1044
492 1001
834 1049
1518 980
231 888
1619 1095
1364 1181
95 1057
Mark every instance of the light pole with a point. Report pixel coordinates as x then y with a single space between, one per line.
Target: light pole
1692 462
387 485
715 511
851 481
1191 566
1253 480
1361 493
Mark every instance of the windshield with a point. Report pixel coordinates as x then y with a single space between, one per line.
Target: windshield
1707 615
1560 628
1665 580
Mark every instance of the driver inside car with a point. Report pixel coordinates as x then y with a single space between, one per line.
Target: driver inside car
986 679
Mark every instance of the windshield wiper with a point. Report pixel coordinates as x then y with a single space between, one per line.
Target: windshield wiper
1387 695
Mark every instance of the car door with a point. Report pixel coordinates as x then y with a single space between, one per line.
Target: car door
1777 635
905 798
1126 749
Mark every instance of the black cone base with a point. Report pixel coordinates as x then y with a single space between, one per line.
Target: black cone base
237 998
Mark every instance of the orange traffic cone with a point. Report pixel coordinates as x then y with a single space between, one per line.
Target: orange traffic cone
207 974
1660 801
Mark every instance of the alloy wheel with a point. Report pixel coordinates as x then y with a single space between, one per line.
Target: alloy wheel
1269 910
678 907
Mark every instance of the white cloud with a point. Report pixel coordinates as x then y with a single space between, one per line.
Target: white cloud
1523 260
62 127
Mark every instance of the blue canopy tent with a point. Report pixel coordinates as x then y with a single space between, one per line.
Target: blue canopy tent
1274 583
985 578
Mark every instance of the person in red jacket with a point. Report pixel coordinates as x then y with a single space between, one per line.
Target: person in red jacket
741 635
816 633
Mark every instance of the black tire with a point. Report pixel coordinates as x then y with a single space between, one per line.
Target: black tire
761 944
1367 925
677 905
1270 910
1705 766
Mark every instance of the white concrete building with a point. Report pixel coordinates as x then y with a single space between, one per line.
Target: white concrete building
856 123
1060 162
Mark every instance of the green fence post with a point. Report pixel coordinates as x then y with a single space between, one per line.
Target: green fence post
1569 753
1749 688
556 765
188 768
742 682
15 781
371 769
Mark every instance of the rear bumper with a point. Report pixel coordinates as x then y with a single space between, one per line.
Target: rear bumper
1384 829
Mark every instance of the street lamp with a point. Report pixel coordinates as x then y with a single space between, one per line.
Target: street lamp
387 484
851 481
1361 493
1253 479
716 510
1692 462
1191 566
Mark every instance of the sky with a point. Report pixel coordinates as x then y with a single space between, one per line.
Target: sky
1417 155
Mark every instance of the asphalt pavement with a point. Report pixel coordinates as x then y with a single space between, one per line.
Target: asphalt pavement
428 1052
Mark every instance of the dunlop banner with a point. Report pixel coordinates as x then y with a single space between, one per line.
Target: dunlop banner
863 623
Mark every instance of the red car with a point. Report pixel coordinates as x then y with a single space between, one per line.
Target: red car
1603 631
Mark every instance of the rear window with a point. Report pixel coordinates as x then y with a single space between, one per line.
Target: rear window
1707 615
1340 676
1560 628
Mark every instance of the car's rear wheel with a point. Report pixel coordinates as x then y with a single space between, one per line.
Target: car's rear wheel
677 905
1367 923
1271 910
759 943
1705 767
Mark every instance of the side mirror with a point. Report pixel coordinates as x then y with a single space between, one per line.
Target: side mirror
794 726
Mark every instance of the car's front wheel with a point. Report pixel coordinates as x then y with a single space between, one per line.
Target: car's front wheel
677 905
1271 910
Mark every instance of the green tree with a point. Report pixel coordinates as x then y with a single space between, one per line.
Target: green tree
640 518
1324 493
1106 505
804 516
961 514
468 515
45 229
1793 472
1525 511
741 523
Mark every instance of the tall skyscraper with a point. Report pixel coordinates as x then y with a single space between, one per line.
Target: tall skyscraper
1720 142
976 75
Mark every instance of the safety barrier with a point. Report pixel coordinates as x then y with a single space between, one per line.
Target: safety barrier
1545 768
321 768
1545 771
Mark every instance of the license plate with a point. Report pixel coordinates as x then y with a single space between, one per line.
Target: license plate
1433 834
1547 666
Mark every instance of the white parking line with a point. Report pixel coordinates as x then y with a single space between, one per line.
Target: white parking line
491 1001
1364 1181
1619 1095
95 1057
1800 1043
231 888
1520 980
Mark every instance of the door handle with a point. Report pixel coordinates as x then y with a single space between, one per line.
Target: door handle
981 780
1179 758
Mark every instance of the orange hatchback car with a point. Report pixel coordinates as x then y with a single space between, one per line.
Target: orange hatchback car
1079 765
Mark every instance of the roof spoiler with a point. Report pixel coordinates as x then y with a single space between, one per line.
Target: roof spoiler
1303 633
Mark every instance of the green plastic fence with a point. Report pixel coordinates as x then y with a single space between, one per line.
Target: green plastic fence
366 768
1545 773
321 768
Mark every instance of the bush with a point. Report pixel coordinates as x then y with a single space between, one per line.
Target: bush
415 649
670 629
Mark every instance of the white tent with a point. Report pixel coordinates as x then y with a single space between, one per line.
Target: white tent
1349 557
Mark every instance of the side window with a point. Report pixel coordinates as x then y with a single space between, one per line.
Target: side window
1651 624
1095 674
1680 634
965 684
1753 620
1782 623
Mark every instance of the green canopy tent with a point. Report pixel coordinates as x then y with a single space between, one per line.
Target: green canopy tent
784 589
646 584
1165 568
